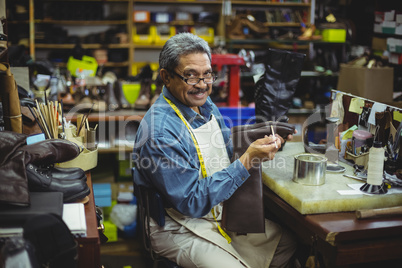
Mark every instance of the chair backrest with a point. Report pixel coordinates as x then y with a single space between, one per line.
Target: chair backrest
150 205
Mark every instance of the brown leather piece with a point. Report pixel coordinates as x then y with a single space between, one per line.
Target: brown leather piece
13 182
243 212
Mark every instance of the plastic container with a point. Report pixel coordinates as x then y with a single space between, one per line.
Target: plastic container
334 35
234 116
144 34
206 33
87 66
361 137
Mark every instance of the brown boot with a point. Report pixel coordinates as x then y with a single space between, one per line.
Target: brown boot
158 90
144 97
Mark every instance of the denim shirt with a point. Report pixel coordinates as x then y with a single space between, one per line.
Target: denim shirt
165 158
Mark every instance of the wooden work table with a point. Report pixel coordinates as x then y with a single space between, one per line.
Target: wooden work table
89 246
327 220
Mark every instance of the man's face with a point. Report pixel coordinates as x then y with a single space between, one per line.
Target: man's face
190 66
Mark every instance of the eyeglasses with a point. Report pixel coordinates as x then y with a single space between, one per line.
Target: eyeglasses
194 81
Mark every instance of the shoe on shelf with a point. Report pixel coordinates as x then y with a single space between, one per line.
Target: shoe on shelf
158 89
308 33
118 91
144 100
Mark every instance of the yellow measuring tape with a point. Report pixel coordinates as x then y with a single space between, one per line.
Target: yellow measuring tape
201 159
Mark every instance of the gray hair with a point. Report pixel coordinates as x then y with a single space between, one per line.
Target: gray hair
180 45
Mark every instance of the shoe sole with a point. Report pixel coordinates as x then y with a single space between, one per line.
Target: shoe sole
77 196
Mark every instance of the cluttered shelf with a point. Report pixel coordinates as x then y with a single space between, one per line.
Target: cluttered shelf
119 115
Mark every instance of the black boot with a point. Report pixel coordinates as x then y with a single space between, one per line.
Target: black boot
144 97
276 87
111 100
52 180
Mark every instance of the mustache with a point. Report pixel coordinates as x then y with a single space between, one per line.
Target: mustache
197 91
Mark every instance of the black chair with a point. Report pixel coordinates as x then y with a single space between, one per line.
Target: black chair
150 204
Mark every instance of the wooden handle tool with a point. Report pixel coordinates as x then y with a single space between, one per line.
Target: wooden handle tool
379 212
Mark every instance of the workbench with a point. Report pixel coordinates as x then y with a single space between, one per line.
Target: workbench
325 220
89 246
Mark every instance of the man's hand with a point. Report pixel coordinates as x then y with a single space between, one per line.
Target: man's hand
290 136
262 150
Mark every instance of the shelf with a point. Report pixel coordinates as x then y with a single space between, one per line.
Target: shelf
282 41
120 115
303 74
148 46
85 46
107 64
202 2
282 24
116 149
276 4
152 5
82 22
103 1
385 35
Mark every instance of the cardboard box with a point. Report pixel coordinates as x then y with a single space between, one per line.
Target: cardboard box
376 84
378 43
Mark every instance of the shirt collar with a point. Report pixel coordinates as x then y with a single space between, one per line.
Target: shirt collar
188 113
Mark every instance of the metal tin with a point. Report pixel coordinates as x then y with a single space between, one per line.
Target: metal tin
309 169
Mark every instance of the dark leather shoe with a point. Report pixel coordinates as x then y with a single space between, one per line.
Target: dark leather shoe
43 180
66 173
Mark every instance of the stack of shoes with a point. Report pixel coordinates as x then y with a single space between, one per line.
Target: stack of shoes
43 176
30 168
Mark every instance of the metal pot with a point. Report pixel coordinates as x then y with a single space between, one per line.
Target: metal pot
309 169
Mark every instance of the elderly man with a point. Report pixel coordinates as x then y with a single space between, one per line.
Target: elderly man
182 150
